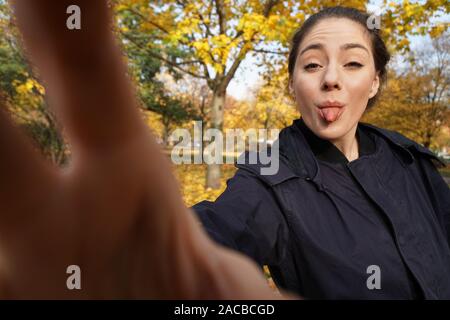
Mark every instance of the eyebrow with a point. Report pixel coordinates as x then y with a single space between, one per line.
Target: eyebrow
346 46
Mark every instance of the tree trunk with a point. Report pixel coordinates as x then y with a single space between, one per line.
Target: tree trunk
427 142
165 133
213 172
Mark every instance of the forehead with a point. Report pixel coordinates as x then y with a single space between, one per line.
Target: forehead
336 31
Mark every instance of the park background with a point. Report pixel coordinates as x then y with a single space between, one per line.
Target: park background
224 63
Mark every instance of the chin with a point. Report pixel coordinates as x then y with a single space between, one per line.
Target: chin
327 135
329 131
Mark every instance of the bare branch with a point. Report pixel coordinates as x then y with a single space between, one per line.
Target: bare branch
235 65
187 62
268 7
205 70
147 20
271 52
221 13
157 56
208 30
266 11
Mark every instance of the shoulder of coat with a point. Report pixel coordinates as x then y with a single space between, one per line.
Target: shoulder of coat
267 168
402 141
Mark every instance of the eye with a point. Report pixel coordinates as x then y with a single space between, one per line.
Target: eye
311 66
354 64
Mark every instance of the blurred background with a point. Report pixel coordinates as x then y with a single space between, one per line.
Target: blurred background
224 63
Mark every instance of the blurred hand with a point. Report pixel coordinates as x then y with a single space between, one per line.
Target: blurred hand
115 211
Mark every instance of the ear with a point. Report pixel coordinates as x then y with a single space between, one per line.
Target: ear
375 85
291 87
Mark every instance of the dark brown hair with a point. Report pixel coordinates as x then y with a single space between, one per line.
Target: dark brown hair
379 51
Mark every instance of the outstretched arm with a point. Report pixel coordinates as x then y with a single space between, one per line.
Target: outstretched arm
115 211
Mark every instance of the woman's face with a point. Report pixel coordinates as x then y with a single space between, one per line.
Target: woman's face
334 66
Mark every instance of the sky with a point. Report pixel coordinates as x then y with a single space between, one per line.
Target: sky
246 79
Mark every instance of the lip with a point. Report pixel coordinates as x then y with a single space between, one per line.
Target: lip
330 103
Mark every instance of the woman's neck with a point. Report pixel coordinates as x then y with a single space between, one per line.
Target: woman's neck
348 145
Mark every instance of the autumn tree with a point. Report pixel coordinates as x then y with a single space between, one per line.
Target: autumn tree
210 39
24 95
271 108
171 109
207 40
415 101
217 35
196 94
433 63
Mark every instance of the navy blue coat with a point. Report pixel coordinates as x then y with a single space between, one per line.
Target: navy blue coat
319 226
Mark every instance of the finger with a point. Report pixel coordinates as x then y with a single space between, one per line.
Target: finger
24 174
82 70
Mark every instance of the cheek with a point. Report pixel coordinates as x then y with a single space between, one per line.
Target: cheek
306 88
359 87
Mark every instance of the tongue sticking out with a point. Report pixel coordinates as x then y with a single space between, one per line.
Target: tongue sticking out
330 114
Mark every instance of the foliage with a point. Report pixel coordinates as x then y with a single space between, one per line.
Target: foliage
416 102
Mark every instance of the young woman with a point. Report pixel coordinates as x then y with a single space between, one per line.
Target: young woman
113 224
354 211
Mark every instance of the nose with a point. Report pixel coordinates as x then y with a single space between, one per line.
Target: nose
331 79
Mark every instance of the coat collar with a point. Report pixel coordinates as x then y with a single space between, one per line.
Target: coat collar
294 145
297 159
326 151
